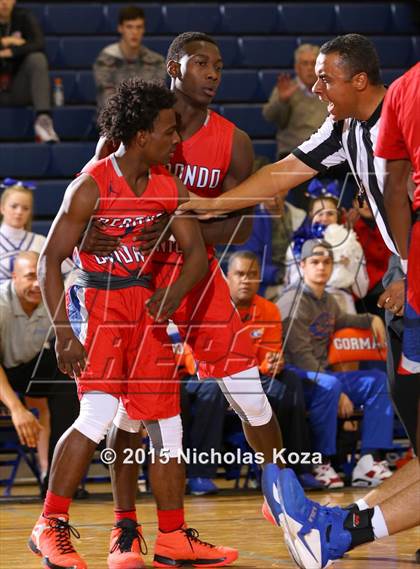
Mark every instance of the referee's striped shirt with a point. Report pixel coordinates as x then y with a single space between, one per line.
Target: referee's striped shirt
352 141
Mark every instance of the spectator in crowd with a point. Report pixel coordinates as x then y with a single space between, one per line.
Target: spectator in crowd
262 322
26 424
377 257
296 111
128 57
24 76
24 329
16 206
349 276
310 317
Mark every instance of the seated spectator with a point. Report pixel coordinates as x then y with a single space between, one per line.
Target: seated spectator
26 424
296 111
128 57
377 256
24 329
16 205
24 76
310 317
274 223
349 276
262 323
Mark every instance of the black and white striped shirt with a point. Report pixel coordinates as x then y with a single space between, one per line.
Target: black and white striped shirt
352 141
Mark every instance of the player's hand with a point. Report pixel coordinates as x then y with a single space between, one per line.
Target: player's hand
163 303
378 329
205 208
27 426
71 354
345 407
97 242
275 362
393 297
286 86
6 53
159 230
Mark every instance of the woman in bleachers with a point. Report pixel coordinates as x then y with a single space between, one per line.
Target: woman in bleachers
16 209
349 278
16 206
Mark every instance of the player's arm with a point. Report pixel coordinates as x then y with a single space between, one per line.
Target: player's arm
397 203
269 181
238 226
25 423
186 231
79 203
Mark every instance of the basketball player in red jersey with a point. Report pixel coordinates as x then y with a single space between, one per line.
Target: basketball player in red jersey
213 157
99 337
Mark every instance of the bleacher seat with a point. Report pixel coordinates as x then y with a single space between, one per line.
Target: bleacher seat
250 119
69 158
41 226
364 18
307 18
403 18
239 85
267 51
53 51
268 78
250 18
16 123
266 148
81 52
37 9
394 51
69 84
178 18
75 122
24 160
153 13
158 43
74 18
48 196
389 75
86 89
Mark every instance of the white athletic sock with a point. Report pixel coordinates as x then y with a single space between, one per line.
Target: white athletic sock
361 504
378 523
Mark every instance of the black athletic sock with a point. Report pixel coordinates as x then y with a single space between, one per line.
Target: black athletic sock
359 524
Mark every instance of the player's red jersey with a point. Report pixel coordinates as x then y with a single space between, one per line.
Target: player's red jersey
124 214
201 163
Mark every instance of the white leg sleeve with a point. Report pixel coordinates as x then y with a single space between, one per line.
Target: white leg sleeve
166 435
246 396
97 410
123 421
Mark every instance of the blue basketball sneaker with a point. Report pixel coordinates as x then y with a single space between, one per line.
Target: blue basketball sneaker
315 535
271 509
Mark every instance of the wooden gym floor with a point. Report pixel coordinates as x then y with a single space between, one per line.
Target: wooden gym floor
230 519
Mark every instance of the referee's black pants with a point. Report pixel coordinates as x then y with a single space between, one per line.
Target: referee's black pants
404 389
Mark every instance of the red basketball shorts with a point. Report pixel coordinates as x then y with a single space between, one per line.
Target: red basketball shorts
129 356
208 322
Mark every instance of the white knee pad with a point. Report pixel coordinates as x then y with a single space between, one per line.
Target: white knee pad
97 410
165 435
246 396
123 421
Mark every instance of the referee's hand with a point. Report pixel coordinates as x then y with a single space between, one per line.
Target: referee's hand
393 297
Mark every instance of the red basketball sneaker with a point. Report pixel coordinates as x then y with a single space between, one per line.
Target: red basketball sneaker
182 547
50 539
126 546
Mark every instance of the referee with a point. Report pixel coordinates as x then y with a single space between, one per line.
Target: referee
348 78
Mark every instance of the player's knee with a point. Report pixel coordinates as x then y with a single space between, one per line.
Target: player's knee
165 436
122 421
97 411
255 409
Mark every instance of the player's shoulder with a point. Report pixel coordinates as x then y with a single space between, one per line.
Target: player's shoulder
219 121
160 171
265 305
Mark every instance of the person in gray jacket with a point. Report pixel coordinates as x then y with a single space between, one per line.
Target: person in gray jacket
310 317
128 57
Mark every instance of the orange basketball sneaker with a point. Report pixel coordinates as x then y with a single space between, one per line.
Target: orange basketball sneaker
182 547
126 546
50 539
